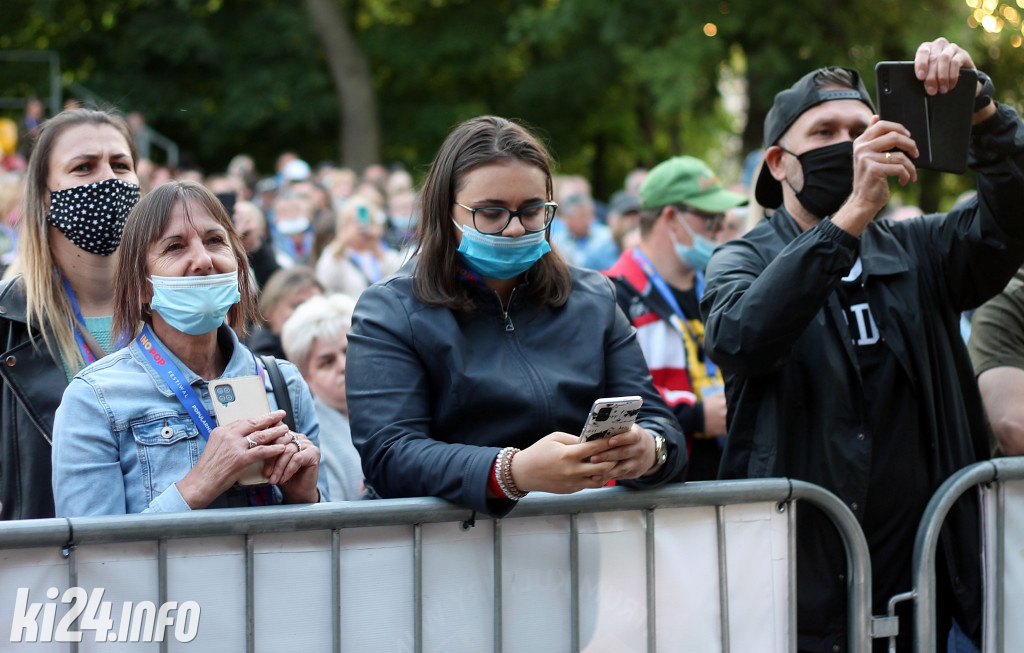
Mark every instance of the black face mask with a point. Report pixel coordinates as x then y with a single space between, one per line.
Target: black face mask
92 216
828 178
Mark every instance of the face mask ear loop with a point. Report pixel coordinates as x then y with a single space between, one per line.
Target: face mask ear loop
795 156
693 236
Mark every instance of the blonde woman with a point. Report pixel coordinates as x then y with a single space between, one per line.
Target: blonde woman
55 313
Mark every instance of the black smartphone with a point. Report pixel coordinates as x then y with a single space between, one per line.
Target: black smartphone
940 124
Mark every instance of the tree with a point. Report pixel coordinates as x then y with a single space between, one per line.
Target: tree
350 69
611 84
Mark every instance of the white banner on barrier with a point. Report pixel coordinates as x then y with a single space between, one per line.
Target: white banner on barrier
293 588
1004 573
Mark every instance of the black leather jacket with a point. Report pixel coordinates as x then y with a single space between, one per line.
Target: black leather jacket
33 384
775 325
433 395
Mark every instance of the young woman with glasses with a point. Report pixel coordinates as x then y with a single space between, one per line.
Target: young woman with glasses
472 370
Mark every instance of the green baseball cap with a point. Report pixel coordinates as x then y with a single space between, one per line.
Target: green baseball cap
687 180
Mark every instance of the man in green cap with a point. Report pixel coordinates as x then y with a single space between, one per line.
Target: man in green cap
659 284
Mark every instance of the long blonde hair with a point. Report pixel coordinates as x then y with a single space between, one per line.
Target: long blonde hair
46 302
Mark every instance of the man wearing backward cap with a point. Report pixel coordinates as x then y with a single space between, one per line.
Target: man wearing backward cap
839 342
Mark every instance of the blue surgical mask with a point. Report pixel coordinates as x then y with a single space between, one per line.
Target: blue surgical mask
195 305
698 254
292 226
500 257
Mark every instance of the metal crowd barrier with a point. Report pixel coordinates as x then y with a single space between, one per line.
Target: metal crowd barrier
72 537
993 473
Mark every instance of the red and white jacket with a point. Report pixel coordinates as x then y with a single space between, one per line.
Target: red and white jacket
673 351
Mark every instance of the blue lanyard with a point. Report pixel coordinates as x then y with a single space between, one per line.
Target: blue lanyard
171 375
175 380
367 264
663 289
79 324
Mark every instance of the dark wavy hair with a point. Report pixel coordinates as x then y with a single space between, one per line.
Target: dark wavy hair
476 142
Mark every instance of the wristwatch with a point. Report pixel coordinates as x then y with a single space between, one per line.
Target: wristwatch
660 452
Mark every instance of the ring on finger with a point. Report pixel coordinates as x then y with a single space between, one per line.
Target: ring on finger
888 157
295 439
252 443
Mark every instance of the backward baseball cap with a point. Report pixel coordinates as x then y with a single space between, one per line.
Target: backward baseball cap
789 105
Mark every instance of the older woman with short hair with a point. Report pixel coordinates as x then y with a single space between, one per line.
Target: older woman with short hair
315 338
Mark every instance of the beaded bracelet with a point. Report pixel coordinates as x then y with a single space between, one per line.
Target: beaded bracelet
503 472
495 481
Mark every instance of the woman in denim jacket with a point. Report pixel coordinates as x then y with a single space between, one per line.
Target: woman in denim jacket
134 433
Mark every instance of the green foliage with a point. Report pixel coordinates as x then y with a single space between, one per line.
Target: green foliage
611 84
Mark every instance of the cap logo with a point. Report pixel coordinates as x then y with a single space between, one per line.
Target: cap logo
705 182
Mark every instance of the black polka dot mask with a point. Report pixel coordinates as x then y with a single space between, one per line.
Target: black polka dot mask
92 216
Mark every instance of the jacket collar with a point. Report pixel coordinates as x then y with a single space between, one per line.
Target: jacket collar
12 299
881 253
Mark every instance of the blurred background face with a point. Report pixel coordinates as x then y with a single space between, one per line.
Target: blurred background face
577 215
361 225
250 224
325 371
292 214
735 224
283 310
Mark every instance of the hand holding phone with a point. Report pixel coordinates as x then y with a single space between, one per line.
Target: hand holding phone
240 398
611 416
940 124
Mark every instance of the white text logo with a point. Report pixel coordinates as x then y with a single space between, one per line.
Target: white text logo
141 622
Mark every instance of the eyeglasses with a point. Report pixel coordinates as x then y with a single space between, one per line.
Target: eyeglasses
714 221
494 219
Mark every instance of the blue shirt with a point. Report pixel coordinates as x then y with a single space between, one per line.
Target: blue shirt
122 439
595 251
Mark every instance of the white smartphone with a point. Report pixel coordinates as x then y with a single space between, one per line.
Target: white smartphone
240 398
609 416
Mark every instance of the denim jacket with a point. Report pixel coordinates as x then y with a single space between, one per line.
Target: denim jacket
122 439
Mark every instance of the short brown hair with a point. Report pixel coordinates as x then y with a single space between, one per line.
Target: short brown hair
144 226
476 142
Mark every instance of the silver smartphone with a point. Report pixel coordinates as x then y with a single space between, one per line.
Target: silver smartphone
610 416
240 398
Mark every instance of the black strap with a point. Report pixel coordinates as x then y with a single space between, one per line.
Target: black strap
284 400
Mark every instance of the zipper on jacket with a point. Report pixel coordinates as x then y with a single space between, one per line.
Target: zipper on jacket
504 311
